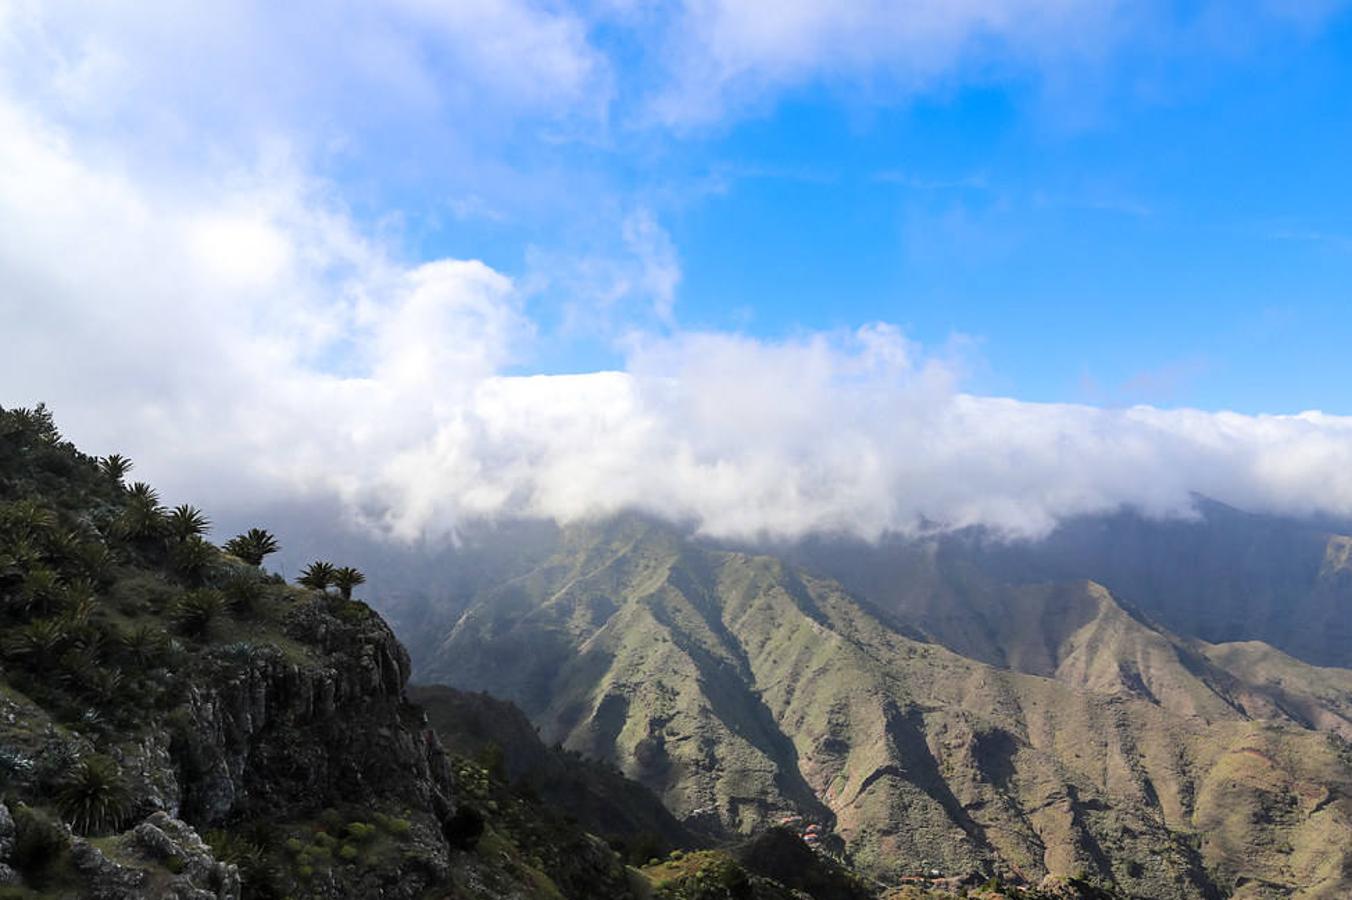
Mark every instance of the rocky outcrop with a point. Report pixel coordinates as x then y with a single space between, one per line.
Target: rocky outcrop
161 857
7 839
264 735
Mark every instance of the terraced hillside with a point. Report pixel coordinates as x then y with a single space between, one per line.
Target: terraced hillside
742 690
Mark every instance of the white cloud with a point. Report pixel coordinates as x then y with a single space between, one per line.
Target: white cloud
232 327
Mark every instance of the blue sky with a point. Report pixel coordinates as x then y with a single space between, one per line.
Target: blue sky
1163 222
767 267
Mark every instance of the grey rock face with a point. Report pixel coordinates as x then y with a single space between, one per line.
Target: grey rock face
6 833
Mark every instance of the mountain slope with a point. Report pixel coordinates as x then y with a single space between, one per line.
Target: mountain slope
1223 576
742 689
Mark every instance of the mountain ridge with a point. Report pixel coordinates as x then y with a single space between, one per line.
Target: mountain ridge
1097 759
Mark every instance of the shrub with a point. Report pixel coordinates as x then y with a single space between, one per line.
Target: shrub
392 825
259 875
360 831
38 841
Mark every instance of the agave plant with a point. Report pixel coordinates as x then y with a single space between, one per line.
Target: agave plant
93 797
252 546
345 579
115 466
318 575
186 521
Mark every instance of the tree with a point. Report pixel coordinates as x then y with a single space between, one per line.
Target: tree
196 611
186 521
27 518
93 796
144 493
252 546
318 575
143 516
345 579
115 466
38 644
41 592
192 557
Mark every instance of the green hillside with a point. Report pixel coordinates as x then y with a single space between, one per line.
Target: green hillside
743 690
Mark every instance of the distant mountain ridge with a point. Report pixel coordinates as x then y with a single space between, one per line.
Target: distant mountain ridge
938 714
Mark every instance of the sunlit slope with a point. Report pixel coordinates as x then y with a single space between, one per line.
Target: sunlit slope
740 689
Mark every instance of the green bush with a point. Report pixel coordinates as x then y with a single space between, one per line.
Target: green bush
38 841
360 831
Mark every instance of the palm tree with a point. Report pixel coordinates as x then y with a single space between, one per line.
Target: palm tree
143 516
41 592
252 546
38 644
145 645
94 797
318 575
81 602
115 466
346 579
192 558
196 611
186 521
96 561
140 491
27 518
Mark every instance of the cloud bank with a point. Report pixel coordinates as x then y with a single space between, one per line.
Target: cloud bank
232 326
154 327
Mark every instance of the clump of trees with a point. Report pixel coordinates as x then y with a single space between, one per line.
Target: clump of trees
321 575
